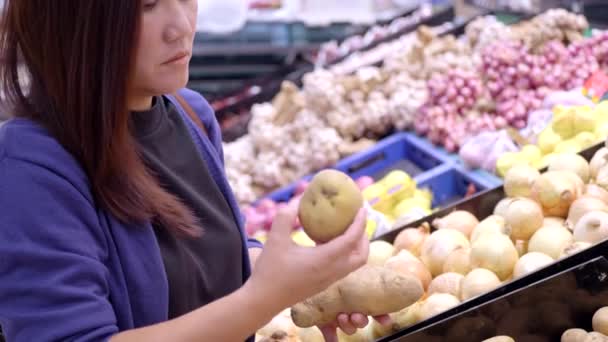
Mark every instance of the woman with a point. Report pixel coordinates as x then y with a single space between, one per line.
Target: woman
116 219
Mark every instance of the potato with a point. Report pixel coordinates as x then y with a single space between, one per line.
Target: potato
329 205
371 290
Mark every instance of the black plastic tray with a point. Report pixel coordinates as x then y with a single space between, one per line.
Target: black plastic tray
482 206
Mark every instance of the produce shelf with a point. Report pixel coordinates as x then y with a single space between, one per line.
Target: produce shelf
589 267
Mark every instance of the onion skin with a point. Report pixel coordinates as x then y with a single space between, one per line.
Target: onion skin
478 282
411 239
524 217
407 265
530 263
460 220
446 283
496 253
550 241
592 227
519 180
593 190
571 162
582 206
600 320
555 191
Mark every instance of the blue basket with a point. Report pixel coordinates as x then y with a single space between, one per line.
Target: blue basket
450 185
400 151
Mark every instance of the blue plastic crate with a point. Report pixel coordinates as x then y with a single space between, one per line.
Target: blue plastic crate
400 151
449 185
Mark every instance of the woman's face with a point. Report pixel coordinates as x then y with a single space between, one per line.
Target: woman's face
164 48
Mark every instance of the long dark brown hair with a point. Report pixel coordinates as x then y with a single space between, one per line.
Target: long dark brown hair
78 56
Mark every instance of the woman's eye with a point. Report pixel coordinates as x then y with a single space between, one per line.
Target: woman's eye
148 5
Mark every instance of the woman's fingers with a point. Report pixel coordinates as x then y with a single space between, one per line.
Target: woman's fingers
329 333
360 321
346 325
384 320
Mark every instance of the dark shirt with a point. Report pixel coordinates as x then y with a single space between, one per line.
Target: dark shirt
199 270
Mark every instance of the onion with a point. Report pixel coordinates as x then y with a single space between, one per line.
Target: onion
596 191
555 191
477 282
460 220
571 162
519 180
411 239
602 178
530 263
574 248
436 304
438 247
522 247
458 261
592 227
524 217
446 283
574 335
312 334
501 207
582 206
600 159
491 224
496 253
501 338
595 336
550 241
407 264
600 320
554 222
379 252
281 322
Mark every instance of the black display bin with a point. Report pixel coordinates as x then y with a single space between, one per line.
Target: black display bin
588 268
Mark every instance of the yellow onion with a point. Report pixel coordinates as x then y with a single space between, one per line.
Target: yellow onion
522 247
555 191
477 282
571 162
438 246
596 191
602 178
523 217
600 159
496 253
574 248
600 320
491 224
436 304
446 283
459 261
407 264
554 222
501 207
460 220
550 241
582 206
592 227
531 262
573 335
411 239
519 180
379 252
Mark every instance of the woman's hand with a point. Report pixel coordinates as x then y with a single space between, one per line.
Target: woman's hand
349 324
286 273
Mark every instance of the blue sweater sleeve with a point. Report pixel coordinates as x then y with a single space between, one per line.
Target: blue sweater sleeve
53 280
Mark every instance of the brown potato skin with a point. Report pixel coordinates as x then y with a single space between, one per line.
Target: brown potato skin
371 290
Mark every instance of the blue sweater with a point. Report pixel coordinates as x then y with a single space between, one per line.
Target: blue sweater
69 270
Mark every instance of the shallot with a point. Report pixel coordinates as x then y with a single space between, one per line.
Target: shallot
592 227
519 180
411 239
496 253
438 247
531 262
460 220
477 282
550 241
446 283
